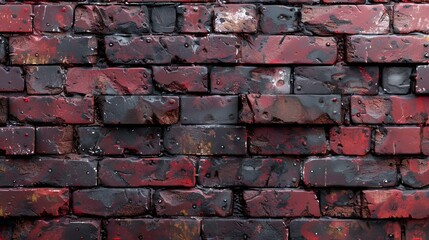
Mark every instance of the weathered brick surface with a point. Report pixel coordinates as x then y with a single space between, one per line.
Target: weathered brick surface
416 229
395 140
350 140
209 110
53 18
54 140
44 79
16 18
397 80
181 79
411 18
279 19
194 18
422 80
17 140
415 172
340 203
235 18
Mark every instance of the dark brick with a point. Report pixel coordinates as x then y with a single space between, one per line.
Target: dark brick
422 80
163 19
397 140
107 202
53 109
234 80
3 109
111 19
54 140
239 18
218 229
349 172
44 79
56 172
209 109
116 141
206 140
194 18
6 229
299 2
415 173
351 1
193 202
3 53
140 109
181 79
336 80
130 172
188 229
287 49
279 19
53 18
410 17
416 230
16 18
281 203
425 141
12 79
396 80
350 140
249 172
33 202
17 140
340 203
287 140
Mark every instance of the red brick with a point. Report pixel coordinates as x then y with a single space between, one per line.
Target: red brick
397 80
393 203
281 203
345 229
416 230
209 109
188 229
265 49
111 19
340 203
235 18
113 81
34 49
12 79
163 19
54 140
279 19
117 141
397 140
346 19
410 17
425 140
16 18
53 18
350 140
17 140
44 79
181 79
422 80
234 80
350 1
287 140
299 2
193 202
349 172
249 172
133 172
236 228
53 109
362 80
415 172
194 18
386 49
33 202
107 202
206 140
47 171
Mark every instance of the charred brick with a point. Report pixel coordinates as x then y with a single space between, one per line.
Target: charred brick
54 140
241 18
396 80
44 79
194 18
350 140
279 19
340 203
12 79
181 79
163 19
209 109
53 18
17 140
397 140
3 53
16 18
415 172
3 109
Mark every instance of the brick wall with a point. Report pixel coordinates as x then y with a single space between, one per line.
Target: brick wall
201 119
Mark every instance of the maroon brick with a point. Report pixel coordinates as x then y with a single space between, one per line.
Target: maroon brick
193 202
234 80
386 49
422 80
53 109
416 230
131 172
351 1
397 80
346 229
425 141
17 140
33 202
53 18
397 140
111 19
140 109
16 18
265 49
116 141
393 203
12 79
34 49
194 18
217 229
346 19
410 17
3 109
181 79
249 172
155 228
206 140
279 19
287 140
235 18
340 203
415 173
54 140
350 140
336 80
107 202
56 172
299 2
209 109
349 172
281 203
163 19
44 79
